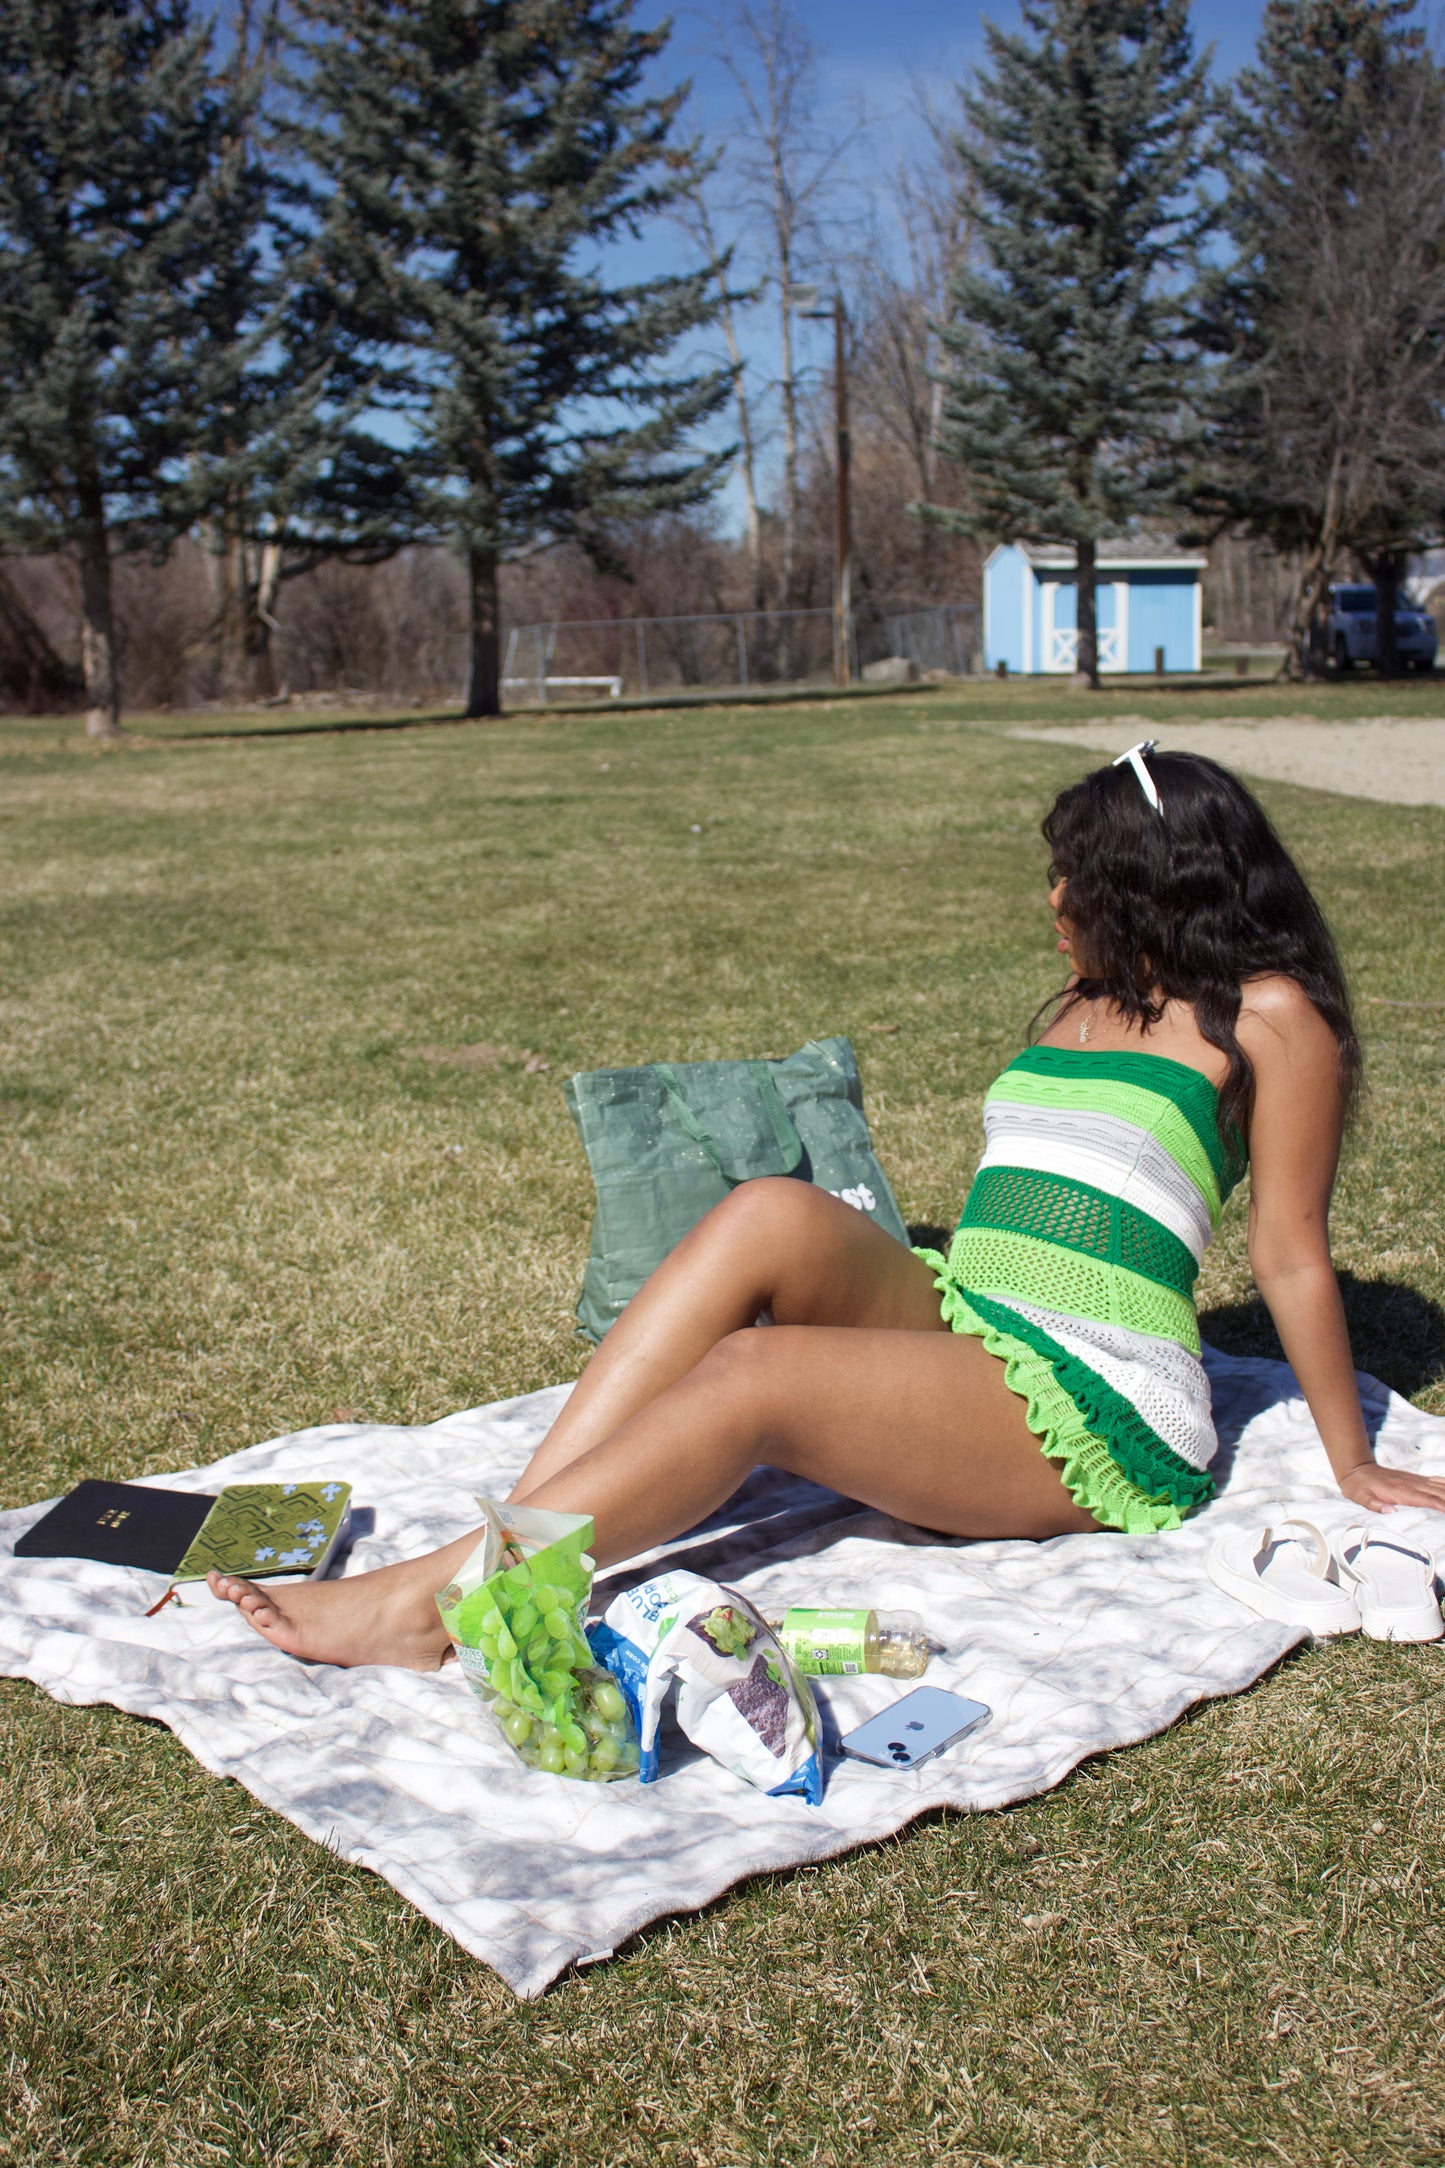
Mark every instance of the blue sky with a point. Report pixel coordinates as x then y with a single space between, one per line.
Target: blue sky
872 48
871 55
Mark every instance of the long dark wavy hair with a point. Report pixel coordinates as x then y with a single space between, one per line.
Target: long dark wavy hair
1188 906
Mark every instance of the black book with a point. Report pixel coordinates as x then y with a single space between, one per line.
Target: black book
120 1524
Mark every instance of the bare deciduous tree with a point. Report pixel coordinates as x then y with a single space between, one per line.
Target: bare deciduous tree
900 357
695 214
789 171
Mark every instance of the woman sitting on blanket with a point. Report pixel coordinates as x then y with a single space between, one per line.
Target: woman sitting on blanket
1043 1377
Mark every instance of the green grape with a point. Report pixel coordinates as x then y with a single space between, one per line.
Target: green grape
604 1755
538 1649
573 1735
506 1645
608 1702
547 1598
517 1727
553 1759
574 1764
551 1736
503 1679
554 1683
523 1621
558 1624
626 1755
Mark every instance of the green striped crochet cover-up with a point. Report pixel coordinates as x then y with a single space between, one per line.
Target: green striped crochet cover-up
1101 1185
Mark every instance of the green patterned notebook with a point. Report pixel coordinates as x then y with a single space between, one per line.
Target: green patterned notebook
264 1528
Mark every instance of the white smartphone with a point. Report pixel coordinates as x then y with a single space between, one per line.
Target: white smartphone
914 1729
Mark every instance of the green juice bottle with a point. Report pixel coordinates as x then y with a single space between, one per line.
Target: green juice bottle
841 1644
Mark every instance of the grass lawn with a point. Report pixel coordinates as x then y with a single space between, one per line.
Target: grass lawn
240 1193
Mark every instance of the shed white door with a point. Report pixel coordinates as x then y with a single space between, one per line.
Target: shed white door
1059 624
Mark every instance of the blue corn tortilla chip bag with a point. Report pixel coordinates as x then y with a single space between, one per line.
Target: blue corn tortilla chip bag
739 1696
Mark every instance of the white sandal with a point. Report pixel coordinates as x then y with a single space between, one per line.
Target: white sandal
1292 1577
1394 1586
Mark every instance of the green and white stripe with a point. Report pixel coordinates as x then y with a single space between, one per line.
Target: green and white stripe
1102 1182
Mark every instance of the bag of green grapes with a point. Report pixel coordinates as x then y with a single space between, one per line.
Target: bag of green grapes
515 1611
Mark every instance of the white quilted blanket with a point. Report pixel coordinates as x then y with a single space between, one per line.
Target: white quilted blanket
1081 1644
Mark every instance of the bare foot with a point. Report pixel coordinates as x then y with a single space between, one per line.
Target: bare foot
386 1617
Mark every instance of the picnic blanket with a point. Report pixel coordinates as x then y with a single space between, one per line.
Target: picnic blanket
1078 1645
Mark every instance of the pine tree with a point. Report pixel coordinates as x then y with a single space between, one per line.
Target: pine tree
1328 409
470 160
1067 391
112 131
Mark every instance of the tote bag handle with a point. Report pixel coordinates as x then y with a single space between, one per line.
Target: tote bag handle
785 1135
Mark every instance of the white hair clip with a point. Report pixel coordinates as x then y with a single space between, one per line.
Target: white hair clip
1135 758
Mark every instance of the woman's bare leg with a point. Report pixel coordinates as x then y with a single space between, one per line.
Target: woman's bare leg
775 1244
918 1424
780 1245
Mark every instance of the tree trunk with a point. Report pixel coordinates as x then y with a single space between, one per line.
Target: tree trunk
97 632
484 673
1086 655
261 593
702 226
747 464
1306 653
1385 570
788 387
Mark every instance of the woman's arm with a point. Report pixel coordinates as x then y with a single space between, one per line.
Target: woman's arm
1294 1144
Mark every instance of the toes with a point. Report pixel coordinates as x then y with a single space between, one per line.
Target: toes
229 1586
255 1606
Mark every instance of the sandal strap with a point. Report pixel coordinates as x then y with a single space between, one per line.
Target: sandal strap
1363 1538
1319 1558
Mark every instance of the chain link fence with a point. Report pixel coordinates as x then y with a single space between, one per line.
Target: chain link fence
728 651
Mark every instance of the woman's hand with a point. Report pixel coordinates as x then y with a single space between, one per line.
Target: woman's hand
1381 1490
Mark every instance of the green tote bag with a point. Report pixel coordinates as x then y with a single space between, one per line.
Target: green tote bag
666 1143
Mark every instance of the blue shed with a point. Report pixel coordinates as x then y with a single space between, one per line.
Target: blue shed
1150 595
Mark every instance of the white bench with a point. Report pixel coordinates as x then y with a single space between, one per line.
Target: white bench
612 685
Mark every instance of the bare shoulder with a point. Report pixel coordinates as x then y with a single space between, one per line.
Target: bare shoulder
1280 1028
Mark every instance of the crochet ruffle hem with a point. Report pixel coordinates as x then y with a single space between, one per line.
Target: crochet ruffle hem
1082 1423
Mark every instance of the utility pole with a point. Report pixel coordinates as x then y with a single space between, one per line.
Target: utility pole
843 506
805 300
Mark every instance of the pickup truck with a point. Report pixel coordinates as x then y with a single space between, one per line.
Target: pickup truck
1351 630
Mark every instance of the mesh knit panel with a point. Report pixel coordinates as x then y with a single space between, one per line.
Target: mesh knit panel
1147 1111
1111 1154
1079 1217
1000 1262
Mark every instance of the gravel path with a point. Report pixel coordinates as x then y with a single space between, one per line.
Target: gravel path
1400 759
